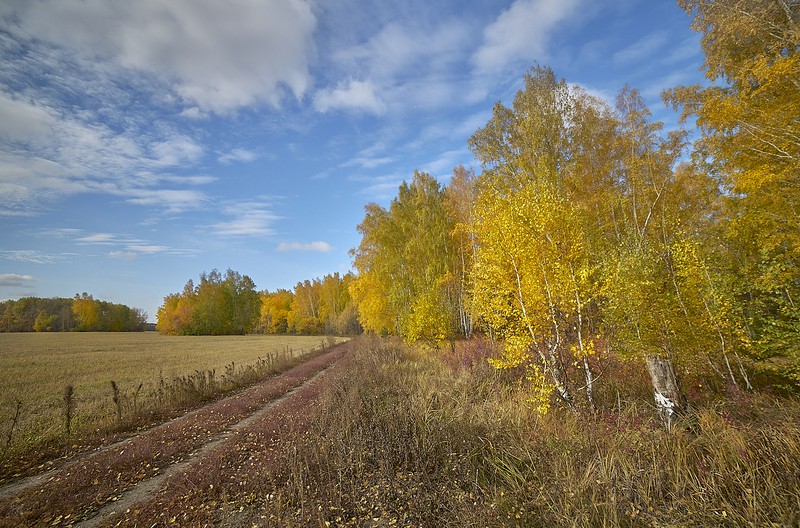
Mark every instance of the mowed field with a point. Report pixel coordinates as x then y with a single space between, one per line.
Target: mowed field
152 373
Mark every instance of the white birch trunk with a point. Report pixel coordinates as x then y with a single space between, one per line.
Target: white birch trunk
670 401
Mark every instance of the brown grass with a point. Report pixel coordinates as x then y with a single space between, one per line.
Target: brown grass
405 438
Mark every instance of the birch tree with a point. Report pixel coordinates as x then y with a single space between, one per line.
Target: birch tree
537 221
751 142
406 261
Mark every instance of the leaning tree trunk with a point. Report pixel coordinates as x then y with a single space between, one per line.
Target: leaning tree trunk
670 400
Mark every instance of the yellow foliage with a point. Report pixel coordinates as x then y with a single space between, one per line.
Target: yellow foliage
369 294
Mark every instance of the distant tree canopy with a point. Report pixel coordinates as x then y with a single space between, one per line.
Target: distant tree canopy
82 313
319 306
217 305
409 262
231 305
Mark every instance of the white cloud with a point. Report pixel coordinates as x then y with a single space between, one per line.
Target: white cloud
238 155
15 280
28 255
379 187
129 247
122 255
367 162
22 121
46 154
219 56
355 95
443 165
60 232
248 219
175 151
398 50
689 49
148 249
521 33
402 65
319 246
193 112
642 48
173 200
104 239
464 128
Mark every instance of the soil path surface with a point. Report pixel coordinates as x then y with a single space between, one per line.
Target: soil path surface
133 482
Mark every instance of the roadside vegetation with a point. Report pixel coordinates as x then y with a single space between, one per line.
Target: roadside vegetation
67 392
408 438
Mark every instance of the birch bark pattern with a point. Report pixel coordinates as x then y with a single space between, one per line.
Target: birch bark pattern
669 398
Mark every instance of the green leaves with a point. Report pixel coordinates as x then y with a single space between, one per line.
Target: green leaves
216 306
407 262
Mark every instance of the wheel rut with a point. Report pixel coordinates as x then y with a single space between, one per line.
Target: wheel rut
100 487
148 488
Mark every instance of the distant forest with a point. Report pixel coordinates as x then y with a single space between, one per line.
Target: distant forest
229 304
83 313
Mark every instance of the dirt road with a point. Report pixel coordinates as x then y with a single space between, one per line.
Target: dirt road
167 474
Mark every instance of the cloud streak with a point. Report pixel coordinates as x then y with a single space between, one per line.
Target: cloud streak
248 219
14 280
520 33
28 255
352 95
318 246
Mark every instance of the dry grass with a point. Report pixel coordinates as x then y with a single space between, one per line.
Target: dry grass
407 439
153 377
214 444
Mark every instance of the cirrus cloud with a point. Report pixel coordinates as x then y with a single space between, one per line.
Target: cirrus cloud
319 246
520 33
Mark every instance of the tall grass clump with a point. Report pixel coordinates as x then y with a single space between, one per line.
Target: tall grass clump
425 439
69 408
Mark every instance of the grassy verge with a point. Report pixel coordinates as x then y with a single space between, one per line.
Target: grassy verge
68 392
411 439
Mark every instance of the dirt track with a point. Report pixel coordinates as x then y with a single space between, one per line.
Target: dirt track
159 474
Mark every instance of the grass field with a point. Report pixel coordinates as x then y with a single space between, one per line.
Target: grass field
153 374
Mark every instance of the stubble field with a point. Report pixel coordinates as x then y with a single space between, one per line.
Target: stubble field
153 377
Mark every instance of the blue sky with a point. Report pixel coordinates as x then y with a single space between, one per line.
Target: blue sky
143 142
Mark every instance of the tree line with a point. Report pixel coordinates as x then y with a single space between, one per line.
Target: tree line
229 304
589 228
83 313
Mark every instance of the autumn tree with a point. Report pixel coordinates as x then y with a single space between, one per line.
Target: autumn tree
587 235
314 307
338 313
459 201
536 226
275 308
87 312
215 306
304 315
407 273
749 126
38 314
